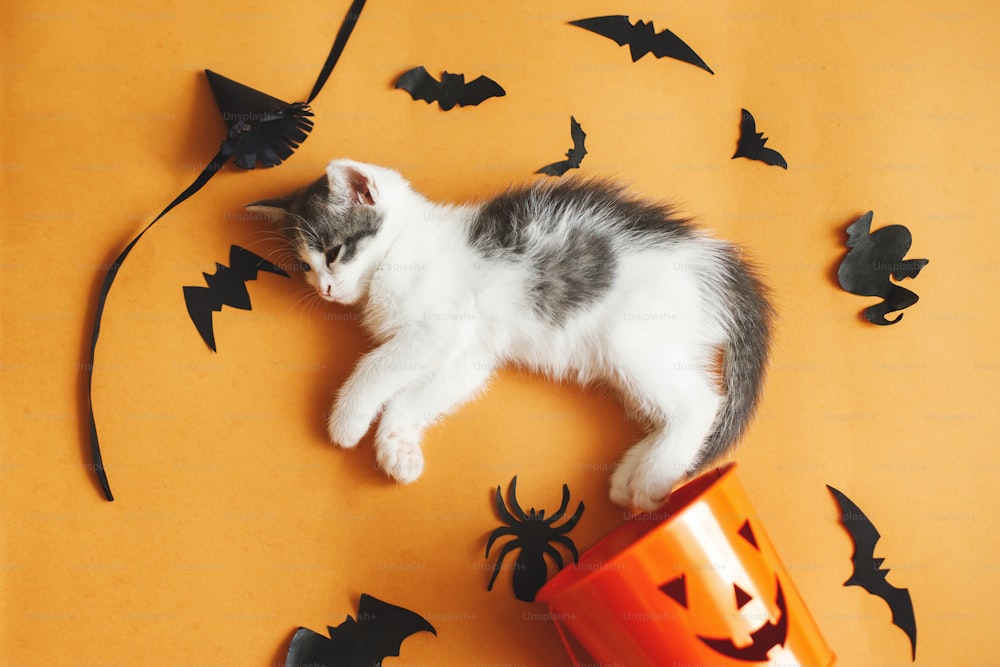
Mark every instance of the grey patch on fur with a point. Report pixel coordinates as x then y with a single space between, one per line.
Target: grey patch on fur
504 223
321 219
587 219
499 225
572 276
738 285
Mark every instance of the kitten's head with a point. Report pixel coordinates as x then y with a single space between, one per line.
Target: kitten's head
330 225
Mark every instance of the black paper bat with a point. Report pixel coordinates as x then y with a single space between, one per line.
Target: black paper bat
450 90
574 155
873 258
378 633
751 144
868 572
261 129
642 38
226 287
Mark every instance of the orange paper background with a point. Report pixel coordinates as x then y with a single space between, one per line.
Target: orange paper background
234 521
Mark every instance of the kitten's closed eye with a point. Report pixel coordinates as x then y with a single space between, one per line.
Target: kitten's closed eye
332 253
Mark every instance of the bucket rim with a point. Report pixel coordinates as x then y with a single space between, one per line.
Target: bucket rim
643 526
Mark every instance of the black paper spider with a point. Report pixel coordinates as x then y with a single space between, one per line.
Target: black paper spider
532 533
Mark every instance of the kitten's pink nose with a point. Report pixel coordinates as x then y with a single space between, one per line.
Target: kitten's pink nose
328 290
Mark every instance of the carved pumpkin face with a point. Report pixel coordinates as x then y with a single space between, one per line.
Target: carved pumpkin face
764 638
701 585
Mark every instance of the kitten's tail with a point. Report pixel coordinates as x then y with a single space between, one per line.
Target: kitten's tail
748 315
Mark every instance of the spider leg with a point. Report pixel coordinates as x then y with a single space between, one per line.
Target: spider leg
507 548
562 507
568 543
568 526
505 514
551 550
513 500
499 532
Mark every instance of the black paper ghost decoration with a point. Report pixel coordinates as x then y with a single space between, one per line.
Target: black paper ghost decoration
261 129
874 258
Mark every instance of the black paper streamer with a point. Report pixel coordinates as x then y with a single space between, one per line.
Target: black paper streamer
751 144
532 534
574 155
226 287
378 633
642 38
262 129
874 258
450 90
868 572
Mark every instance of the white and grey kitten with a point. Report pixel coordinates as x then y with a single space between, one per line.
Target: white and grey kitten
573 278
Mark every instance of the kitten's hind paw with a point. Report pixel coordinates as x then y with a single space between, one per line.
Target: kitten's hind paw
634 485
399 455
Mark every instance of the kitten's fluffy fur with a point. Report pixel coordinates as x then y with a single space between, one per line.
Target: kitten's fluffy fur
573 278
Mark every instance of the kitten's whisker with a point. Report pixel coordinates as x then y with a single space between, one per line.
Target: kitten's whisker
308 300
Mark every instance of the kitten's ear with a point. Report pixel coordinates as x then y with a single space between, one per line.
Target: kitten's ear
360 186
273 209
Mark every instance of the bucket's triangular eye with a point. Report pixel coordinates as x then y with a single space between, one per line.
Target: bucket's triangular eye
677 590
742 597
747 534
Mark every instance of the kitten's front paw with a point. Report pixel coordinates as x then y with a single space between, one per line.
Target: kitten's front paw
399 455
344 426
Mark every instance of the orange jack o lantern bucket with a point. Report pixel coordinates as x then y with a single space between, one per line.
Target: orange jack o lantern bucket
698 584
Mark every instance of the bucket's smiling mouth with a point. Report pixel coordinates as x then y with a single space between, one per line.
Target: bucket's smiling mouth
769 635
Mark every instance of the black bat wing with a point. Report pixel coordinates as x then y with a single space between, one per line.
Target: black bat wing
772 157
312 648
556 168
574 155
749 142
617 28
201 303
901 605
867 571
480 89
420 84
668 45
246 264
382 627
